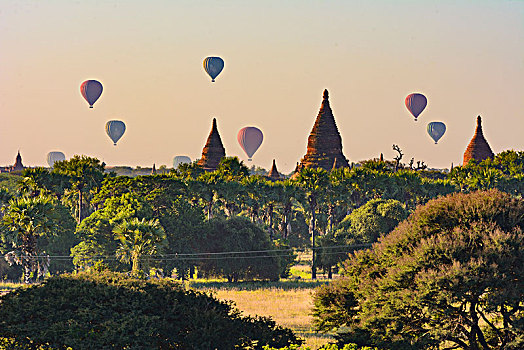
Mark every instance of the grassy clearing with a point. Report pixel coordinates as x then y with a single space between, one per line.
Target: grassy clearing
289 307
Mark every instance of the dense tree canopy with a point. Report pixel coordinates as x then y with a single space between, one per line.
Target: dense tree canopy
449 277
112 311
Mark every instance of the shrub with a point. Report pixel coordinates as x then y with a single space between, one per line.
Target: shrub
111 310
452 273
226 240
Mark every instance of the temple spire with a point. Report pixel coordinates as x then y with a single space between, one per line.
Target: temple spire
213 151
324 146
273 173
478 148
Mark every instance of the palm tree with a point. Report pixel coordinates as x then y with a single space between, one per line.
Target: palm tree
205 187
25 220
314 182
255 197
138 238
86 174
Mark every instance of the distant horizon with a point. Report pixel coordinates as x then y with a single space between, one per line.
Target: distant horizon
464 56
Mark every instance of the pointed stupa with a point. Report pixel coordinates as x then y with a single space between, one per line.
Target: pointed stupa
18 163
274 175
381 157
153 172
324 145
478 147
213 151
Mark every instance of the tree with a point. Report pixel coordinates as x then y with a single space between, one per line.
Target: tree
40 180
314 182
113 311
359 229
236 249
138 238
86 174
449 277
26 220
98 242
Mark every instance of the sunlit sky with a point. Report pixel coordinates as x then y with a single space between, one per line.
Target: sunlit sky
467 57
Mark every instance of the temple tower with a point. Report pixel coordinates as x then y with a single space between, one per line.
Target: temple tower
324 146
213 151
478 147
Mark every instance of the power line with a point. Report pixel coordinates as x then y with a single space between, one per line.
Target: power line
205 254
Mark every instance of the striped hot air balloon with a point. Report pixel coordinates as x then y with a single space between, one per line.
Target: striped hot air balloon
53 157
436 130
91 91
250 139
180 160
115 129
213 66
416 103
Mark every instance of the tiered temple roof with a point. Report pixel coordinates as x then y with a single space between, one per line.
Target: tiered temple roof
324 147
478 148
274 175
213 151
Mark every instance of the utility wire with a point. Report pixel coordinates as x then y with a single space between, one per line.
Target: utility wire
180 256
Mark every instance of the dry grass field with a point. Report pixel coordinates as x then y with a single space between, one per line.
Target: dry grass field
289 307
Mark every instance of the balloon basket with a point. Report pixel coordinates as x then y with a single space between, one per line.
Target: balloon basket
90 106
249 159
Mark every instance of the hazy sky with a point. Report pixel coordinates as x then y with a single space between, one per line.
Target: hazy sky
467 57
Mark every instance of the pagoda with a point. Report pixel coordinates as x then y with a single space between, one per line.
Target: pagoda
274 175
18 166
213 151
324 146
478 148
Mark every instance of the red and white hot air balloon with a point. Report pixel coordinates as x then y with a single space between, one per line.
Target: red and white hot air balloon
416 103
250 139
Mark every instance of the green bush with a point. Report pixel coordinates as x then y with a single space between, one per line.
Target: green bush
113 311
225 240
451 274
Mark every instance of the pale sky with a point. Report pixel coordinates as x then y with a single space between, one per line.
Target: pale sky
467 57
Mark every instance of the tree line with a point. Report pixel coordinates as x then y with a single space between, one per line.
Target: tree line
225 223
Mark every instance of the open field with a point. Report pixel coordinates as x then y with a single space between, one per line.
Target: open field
288 303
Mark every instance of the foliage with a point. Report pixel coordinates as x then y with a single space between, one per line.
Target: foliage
237 249
109 310
138 238
28 221
325 347
85 175
505 172
98 243
452 273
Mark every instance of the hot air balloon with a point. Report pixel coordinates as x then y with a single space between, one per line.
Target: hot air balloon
213 66
115 129
250 139
91 91
53 157
180 160
436 130
416 103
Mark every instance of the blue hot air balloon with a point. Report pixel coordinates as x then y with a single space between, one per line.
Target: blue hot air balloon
53 157
213 66
436 130
180 160
91 91
416 103
115 129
